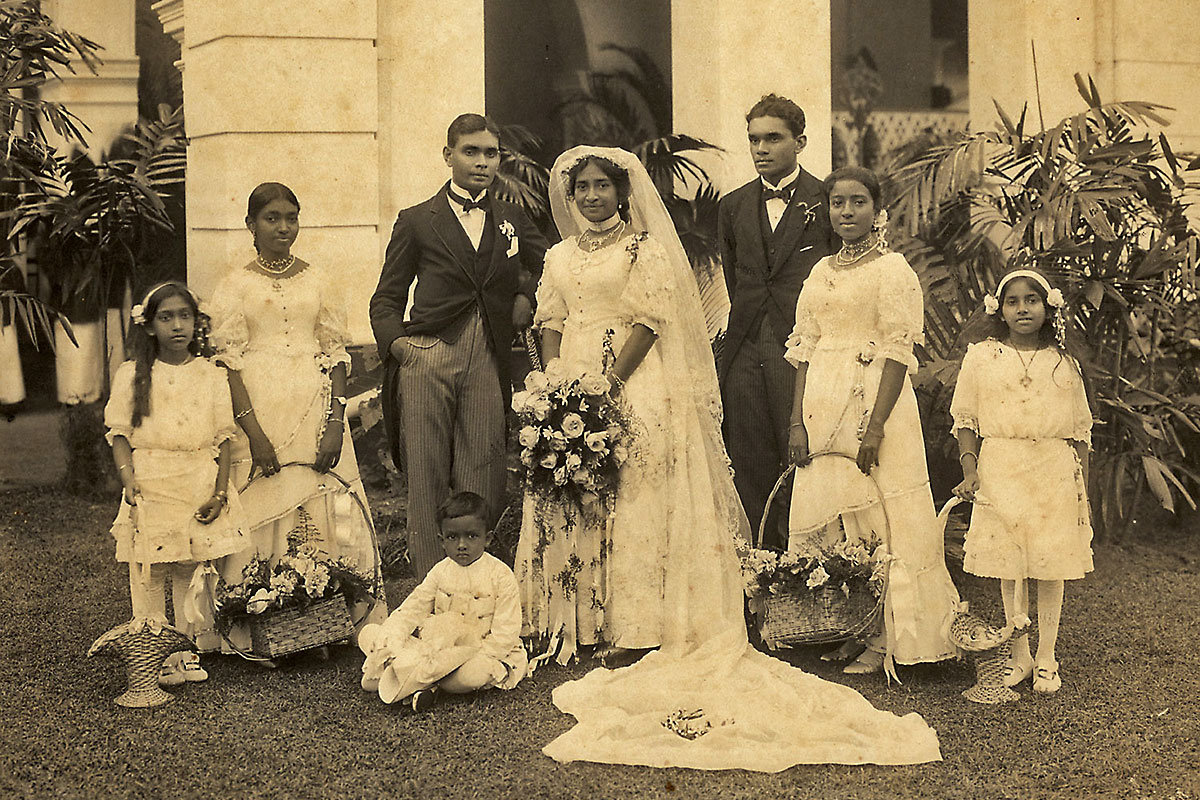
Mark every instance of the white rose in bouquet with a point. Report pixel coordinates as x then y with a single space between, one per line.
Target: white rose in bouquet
593 384
528 436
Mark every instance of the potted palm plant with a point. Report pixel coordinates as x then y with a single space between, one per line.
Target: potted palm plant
1097 201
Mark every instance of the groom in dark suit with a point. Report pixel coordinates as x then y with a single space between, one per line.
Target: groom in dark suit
771 232
458 279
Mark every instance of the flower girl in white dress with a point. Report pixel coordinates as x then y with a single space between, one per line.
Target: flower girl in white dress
1023 425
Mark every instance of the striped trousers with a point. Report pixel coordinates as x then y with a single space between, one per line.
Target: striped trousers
453 417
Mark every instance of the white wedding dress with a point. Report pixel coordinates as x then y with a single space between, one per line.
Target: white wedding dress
706 699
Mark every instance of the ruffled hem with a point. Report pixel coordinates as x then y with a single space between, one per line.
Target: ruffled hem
229 360
115 431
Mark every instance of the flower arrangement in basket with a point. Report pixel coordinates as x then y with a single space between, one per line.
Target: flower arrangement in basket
301 601
828 594
574 438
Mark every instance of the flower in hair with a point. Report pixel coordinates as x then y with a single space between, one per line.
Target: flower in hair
1054 297
881 220
138 314
990 304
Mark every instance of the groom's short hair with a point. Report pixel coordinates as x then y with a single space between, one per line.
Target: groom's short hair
465 124
773 105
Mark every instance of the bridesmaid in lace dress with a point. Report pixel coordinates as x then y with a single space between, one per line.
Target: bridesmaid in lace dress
280 329
858 317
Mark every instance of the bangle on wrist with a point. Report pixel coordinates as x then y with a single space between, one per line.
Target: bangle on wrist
796 425
244 413
963 455
124 467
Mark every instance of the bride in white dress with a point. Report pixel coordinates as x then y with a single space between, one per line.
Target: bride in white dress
704 699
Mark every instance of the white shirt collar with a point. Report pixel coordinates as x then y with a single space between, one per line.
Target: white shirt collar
461 192
791 177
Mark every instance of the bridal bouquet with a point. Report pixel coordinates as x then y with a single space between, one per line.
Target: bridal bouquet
848 566
574 439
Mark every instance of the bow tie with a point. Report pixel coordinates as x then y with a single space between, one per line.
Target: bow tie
784 194
469 205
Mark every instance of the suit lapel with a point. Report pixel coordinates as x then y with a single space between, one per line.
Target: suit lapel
454 238
749 223
796 219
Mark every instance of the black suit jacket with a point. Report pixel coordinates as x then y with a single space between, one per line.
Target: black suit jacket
764 270
429 246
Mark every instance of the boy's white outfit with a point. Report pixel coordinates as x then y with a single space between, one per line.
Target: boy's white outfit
456 614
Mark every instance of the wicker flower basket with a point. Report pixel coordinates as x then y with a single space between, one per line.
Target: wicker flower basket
820 615
279 633
816 616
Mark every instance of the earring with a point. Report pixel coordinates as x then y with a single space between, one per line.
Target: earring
880 227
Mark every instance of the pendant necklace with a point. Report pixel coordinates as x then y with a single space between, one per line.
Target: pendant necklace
276 266
851 253
591 241
1025 380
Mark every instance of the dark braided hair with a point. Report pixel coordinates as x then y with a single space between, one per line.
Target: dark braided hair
144 348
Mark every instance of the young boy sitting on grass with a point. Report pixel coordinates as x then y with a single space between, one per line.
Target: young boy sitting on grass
460 629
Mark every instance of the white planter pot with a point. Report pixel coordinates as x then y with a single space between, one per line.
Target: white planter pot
12 379
79 370
116 340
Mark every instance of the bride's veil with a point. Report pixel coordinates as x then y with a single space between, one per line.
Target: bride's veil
691 385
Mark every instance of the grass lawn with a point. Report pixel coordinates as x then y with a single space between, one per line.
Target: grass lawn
1125 724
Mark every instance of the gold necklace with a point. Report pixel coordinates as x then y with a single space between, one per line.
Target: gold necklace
1025 367
591 241
851 253
276 266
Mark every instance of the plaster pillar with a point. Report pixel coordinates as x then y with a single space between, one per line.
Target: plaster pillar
1002 40
106 101
431 69
725 55
281 91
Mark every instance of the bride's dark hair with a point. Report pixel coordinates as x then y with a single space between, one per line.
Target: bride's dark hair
616 173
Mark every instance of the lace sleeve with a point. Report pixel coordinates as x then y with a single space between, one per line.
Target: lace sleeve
551 306
964 408
806 332
332 329
118 412
1081 412
647 292
230 333
901 313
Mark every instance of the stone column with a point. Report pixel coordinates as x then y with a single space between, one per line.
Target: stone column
430 71
281 91
725 55
105 101
1002 41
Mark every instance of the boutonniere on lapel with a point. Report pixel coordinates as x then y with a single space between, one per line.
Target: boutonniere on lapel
809 212
508 230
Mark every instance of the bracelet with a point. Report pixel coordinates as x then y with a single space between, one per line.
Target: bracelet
338 420
124 467
796 425
616 381
222 495
968 453
249 410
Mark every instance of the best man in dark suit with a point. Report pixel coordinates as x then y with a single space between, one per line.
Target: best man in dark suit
458 279
771 233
